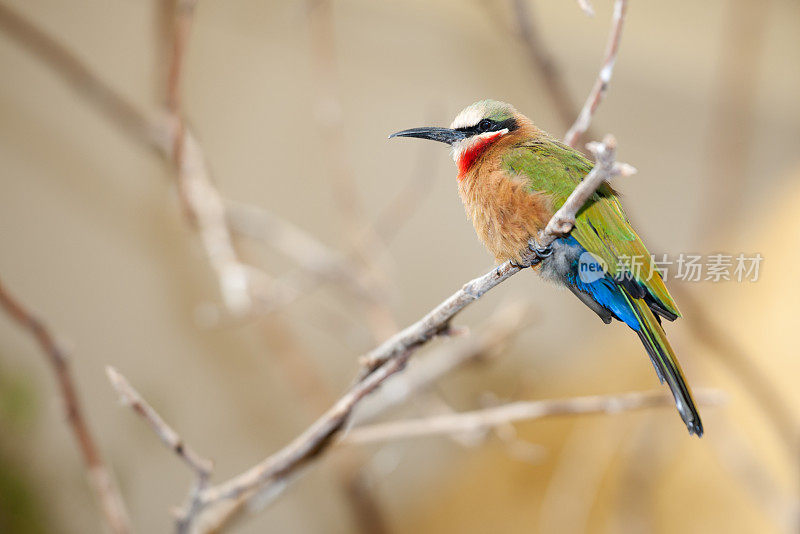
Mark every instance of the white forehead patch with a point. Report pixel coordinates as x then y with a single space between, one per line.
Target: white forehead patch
469 116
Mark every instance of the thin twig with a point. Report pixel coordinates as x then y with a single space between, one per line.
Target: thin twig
199 465
201 199
100 478
314 393
207 210
544 64
133 399
586 7
309 444
603 78
427 370
182 19
487 418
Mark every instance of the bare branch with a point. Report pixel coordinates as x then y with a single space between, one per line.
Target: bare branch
309 444
182 19
544 64
389 358
424 372
201 199
586 7
477 420
199 465
100 478
603 78
207 210
132 399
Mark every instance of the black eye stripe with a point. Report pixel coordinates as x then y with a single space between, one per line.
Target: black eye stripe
491 126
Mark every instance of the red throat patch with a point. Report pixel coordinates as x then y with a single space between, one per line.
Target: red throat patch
471 155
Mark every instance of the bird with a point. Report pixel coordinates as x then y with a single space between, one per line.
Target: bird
512 177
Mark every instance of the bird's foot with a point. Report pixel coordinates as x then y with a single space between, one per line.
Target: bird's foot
539 252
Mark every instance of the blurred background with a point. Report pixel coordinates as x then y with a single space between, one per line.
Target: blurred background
291 103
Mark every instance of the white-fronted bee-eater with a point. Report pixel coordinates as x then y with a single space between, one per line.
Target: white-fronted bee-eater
512 177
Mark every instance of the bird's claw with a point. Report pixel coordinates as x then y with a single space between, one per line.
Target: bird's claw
539 252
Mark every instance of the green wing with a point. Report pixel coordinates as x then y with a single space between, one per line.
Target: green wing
601 226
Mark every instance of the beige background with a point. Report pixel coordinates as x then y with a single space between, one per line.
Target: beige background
92 238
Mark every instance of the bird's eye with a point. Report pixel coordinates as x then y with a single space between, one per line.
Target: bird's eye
485 125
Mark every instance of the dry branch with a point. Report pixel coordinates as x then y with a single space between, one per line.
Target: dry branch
420 376
201 199
309 444
201 466
390 357
586 7
132 399
603 78
100 478
544 64
477 420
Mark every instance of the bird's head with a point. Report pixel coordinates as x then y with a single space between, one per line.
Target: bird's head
474 130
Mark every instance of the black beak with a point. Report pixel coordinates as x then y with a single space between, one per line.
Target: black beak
443 135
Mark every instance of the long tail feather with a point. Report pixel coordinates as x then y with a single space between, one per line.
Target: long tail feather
666 363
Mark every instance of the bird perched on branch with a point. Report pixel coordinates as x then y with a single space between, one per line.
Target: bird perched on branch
512 177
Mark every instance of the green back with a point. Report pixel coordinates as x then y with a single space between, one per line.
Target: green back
601 226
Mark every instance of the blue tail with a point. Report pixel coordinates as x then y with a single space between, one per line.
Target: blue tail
608 299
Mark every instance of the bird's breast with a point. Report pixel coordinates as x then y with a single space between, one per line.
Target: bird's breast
503 211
